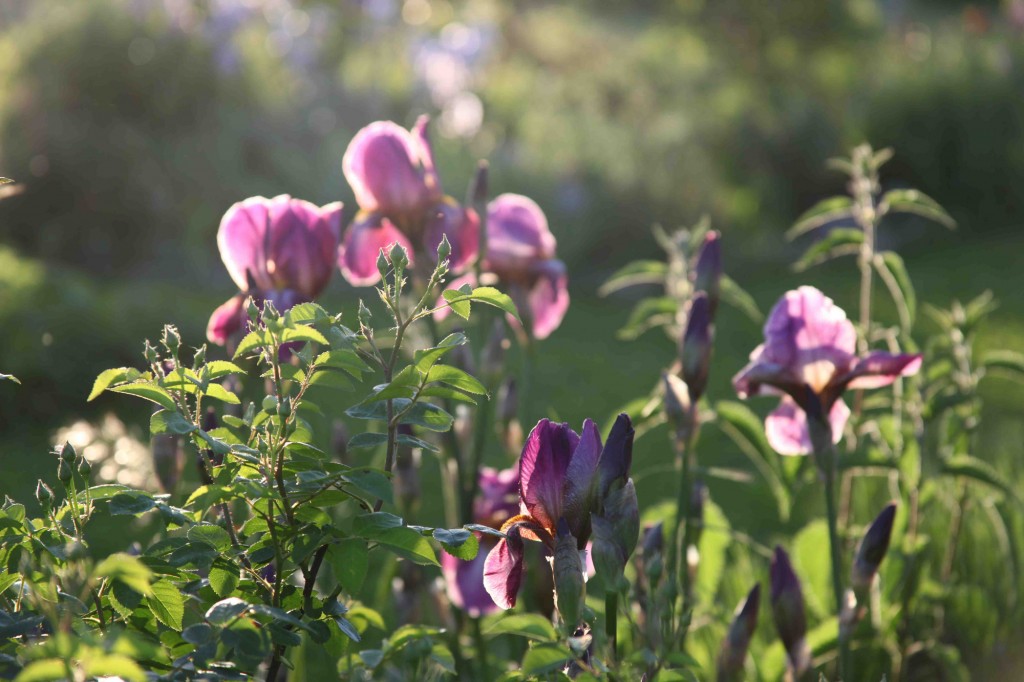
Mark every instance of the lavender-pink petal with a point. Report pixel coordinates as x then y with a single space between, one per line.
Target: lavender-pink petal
549 297
383 166
460 225
464 580
542 470
787 430
503 570
878 368
517 236
229 318
368 234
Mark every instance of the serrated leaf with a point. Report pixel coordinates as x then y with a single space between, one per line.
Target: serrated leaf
633 274
407 543
303 313
221 368
458 303
130 504
427 416
147 391
370 481
841 241
371 525
167 603
342 359
167 421
112 666
107 378
458 542
303 333
212 535
45 670
918 203
822 213
127 569
349 559
455 377
488 295
218 392
424 359
255 340
223 578
226 610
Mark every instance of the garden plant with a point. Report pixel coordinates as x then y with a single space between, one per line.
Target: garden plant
278 551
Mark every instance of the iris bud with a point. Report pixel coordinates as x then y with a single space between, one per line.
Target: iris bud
696 345
707 271
568 570
788 611
44 494
67 452
872 549
733 653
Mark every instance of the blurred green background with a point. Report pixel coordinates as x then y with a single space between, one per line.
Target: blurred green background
132 126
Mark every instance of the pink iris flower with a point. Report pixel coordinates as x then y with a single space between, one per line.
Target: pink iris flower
464 580
809 356
279 249
391 170
561 478
521 255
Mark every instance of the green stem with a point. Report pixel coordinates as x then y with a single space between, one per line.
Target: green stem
481 647
611 617
835 545
678 569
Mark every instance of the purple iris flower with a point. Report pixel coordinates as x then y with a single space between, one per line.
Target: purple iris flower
809 356
562 476
521 255
464 580
391 170
281 250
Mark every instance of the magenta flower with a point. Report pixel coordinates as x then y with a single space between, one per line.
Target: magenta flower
281 249
521 255
562 475
391 170
809 355
464 580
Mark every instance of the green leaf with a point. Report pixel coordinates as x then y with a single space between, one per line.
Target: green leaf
212 535
814 567
370 482
822 213
401 386
218 392
254 340
545 658
458 542
167 604
226 610
893 272
131 504
979 471
128 569
633 274
371 525
167 421
107 378
407 543
733 294
647 314
123 599
488 295
304 313
112 666
148 391
9 377
738 422
427 416
425 359
842 241
303 333
342 359
452 376
917 203
223 578
221 368
349 559
529 625
46 670
1005 363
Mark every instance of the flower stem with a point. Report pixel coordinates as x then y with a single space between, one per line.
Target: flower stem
835 545
611 617
679 569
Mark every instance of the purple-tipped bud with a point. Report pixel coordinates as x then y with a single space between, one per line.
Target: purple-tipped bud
788 611
695 349
568 572
481 184
616 457
654 539
873 548
707 271
733 653
615 533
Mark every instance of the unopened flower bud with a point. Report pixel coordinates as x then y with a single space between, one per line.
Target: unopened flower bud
654 540
399 258
150 353
707 271
284 407
67 452
733 653
695 350
85 468
64 471
615 533
444 249
364 316
199 359
171 339
252 310
788 611
872 549
382 264
677 403
44 494
568 571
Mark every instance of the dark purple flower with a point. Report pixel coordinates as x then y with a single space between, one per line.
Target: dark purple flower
279 249
497 502
809 355
560 483
391 170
